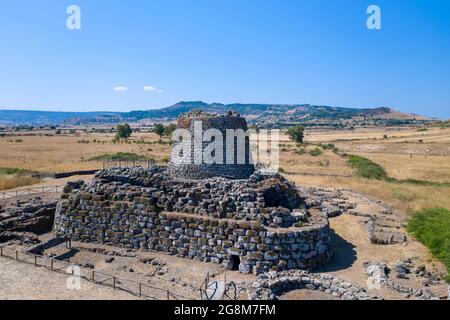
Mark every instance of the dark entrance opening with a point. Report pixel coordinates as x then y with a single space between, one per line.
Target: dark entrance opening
234 262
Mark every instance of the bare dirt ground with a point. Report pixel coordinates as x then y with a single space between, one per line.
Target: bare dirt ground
26 282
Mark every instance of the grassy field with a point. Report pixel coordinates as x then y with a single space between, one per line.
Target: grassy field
432 228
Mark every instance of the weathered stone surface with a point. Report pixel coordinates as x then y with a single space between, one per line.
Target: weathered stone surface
272 284
24 220
130 208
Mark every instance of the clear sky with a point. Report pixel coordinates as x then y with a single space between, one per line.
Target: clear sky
249 51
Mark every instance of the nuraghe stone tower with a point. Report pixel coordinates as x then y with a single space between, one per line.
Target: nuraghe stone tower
228 214
186 169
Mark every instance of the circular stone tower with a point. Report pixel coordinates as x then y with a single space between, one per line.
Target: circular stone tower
234 162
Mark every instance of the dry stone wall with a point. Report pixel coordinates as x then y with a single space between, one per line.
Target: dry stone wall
185 168
120 208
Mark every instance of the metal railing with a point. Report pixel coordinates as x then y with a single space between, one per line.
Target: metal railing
5 195
136 288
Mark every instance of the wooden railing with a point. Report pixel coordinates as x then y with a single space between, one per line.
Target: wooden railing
229 292
5 195
136 288
107 164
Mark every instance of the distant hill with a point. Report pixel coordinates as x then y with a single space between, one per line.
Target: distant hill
267 115
27 117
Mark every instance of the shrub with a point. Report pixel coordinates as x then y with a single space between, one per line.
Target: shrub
366 168
315 152
432 228
329 146
120 156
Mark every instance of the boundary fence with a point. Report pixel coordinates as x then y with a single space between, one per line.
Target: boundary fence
5 195
230 291
107 164
98 277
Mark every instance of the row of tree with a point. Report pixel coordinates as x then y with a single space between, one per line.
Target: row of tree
162 130
124 131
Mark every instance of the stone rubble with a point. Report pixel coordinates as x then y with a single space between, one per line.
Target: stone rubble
26 219
270 285
380 273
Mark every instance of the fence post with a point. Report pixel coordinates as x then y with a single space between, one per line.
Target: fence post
114 283
140 289
1 251
51 264
35 261
93 275
168 295
17 255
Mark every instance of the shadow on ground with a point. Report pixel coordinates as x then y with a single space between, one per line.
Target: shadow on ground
70 254
344 255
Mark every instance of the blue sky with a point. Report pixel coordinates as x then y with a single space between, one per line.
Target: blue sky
257 51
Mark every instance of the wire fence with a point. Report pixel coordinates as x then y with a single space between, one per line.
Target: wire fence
7 195
136 288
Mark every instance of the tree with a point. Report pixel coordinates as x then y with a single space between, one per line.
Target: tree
123 131
169 129
296 134
159 129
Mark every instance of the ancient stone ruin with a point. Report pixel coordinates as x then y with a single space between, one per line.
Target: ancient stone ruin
187 168
227 214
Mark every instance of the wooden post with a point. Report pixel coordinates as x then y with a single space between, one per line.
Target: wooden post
1 251
168 295
35 261
93 275
17 255
114 283
51 264
140 289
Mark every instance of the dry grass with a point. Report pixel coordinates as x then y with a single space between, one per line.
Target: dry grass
432 135
64 153
10 182
327 163
399 166
404 197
